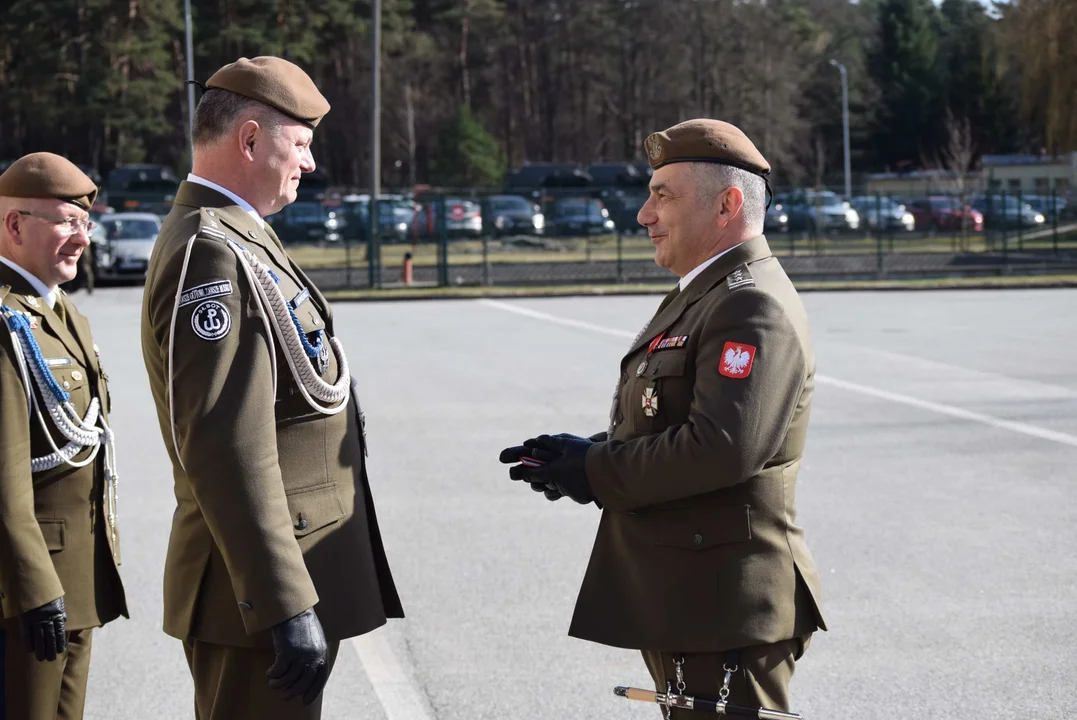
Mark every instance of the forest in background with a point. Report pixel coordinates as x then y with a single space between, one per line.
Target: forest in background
473 88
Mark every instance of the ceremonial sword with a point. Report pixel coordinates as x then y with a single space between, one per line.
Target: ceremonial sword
687 702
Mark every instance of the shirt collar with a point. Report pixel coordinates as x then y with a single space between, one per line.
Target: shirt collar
243 204
47 295
701 267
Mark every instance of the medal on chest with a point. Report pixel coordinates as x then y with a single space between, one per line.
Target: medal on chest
650 402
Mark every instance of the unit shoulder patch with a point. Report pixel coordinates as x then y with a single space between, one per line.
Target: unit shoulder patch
217 288
211 320
740 277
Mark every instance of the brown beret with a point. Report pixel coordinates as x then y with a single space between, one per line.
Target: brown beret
705 140
276 82
45 175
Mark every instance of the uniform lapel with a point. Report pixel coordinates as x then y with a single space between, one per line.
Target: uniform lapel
20 291
81 330
747 252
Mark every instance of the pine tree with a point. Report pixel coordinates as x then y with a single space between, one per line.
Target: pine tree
905 66
467 155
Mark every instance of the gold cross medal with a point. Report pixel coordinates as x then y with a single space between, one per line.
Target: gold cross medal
650 402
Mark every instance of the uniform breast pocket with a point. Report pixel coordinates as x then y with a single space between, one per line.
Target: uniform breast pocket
72 380
665 392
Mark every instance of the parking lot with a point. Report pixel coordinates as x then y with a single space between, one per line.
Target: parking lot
937 494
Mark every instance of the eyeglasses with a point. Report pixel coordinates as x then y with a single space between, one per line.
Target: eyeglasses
70 225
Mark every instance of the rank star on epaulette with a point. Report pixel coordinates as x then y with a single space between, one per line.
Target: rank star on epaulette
739 278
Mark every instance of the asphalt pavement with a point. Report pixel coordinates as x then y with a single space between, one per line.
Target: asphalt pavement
937 493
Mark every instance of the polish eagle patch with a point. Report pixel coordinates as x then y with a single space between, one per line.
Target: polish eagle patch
737 360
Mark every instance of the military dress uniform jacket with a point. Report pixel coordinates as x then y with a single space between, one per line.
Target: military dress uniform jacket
698 549
274 513
55 536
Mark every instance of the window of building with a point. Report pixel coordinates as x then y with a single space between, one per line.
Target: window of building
1014 185
1043 185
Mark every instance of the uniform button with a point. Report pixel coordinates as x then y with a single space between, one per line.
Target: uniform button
302 523
697 539
67 385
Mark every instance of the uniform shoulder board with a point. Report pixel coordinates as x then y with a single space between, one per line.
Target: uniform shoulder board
740 277
209 225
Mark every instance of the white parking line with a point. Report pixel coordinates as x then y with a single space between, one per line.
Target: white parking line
396 687
950 410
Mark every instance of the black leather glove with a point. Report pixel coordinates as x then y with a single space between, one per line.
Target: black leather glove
522 454
302 666
44 630
566 473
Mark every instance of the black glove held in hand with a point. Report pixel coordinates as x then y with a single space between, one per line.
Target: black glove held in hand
566 473
302 666
44 630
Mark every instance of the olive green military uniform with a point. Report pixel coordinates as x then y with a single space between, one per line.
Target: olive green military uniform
698 551
274 513
56 538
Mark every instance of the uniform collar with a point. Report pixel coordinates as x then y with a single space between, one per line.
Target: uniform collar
243 204
49 296
703 266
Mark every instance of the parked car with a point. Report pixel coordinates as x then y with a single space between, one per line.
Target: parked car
123 243
307 222
580 216
816 211
463 218
1047 205
395 215
776 219
942 212
883 213
512 215
1006 211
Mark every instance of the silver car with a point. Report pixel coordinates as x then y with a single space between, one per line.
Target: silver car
124 243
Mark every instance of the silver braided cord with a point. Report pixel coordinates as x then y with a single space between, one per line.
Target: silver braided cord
80 433
311 386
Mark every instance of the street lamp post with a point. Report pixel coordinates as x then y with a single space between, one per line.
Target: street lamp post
845 123
190 76
374 251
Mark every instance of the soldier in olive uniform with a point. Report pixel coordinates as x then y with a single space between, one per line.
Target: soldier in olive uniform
59 547
275 553
698 560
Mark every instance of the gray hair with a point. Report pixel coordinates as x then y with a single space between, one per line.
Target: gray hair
712 178
220 111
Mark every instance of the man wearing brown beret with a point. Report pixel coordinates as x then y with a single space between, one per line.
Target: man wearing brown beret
275 553
59 544
699 562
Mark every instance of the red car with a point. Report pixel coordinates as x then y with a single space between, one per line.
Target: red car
941 212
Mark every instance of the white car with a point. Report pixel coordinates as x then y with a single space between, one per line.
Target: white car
123 245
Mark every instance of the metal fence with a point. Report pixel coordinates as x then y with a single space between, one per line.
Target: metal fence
585 235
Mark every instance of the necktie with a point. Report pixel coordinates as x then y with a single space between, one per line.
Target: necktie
60 311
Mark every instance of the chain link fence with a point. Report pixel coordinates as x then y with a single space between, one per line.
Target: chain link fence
588 235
